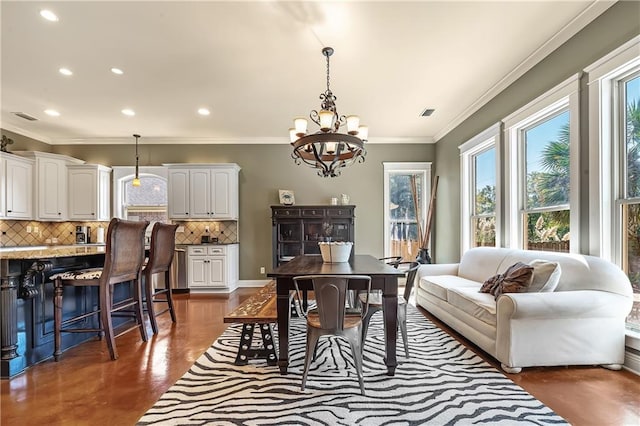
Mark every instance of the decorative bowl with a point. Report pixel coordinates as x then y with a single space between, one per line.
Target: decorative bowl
335 252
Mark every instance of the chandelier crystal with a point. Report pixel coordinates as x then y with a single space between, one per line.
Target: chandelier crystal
327 149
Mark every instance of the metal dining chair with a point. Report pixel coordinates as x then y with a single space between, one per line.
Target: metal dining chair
124 255
332 318
163 245
375 305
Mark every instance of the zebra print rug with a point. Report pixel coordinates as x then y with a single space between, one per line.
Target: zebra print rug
442 383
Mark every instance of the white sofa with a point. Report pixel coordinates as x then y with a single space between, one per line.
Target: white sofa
582 322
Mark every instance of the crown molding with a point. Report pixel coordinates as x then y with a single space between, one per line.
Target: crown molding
591 12
220 141
22 132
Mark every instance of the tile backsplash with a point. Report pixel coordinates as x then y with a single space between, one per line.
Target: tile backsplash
226 231
14 232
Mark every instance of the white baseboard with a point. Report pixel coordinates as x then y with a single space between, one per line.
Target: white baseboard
253 283
632 362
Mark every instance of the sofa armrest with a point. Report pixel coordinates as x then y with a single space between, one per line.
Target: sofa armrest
562 304
437 269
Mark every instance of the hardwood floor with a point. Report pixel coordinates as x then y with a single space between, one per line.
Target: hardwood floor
87 388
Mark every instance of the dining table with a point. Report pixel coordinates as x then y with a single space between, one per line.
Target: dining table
383 277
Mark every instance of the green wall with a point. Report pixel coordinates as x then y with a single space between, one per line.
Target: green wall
265 169
613 28
23 143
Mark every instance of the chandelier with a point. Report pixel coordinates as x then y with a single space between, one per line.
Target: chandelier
136 179
327 149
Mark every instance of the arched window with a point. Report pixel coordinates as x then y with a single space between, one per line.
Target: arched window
147 201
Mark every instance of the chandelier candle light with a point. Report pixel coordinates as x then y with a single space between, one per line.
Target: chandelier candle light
136 179
327 149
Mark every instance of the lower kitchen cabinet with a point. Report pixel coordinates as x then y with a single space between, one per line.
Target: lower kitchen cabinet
212 267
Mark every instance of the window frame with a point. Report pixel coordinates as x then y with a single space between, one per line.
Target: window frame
563 97
490 138
605 146
390 168
123 174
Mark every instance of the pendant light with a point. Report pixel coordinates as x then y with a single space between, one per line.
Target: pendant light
136 179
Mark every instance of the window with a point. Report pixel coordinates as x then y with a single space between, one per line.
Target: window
406 186
480 194
547 184
629 152
147 201
542 179
614 133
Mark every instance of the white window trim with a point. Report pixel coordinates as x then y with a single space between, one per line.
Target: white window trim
563 96
390 168
122 174
603 75
488 138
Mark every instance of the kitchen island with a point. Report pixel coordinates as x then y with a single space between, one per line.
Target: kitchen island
26 301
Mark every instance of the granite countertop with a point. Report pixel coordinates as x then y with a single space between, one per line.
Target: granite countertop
204 244
46 252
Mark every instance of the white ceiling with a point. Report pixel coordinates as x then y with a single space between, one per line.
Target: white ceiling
258 64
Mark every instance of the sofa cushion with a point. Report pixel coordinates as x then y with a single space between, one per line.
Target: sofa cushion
437 285
516 279
479 305
546 276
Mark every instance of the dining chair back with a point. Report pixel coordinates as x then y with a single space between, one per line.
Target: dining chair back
124 256
161 253
331 317
375 305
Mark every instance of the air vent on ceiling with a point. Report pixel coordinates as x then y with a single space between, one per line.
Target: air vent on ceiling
427 112
25 116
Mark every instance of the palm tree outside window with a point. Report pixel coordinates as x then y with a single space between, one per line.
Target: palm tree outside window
629 203
546 213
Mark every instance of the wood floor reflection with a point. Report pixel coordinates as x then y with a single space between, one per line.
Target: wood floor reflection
87 388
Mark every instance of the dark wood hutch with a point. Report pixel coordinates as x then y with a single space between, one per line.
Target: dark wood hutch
297 230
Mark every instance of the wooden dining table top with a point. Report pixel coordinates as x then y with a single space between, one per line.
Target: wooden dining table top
360 264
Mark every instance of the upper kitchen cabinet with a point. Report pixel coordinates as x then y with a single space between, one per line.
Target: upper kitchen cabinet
16 187
50 184
89 192
203 191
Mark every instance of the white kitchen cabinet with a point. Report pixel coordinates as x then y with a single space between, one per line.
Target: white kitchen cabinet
212 267
16 187
178 191
89 192
203 191
50 184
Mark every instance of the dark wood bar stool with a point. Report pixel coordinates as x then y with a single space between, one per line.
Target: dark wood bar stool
124 256
163 245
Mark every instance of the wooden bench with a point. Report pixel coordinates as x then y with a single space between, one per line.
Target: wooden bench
258 310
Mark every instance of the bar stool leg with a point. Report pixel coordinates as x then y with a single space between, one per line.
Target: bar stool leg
148 286
137 294
105 316
168 283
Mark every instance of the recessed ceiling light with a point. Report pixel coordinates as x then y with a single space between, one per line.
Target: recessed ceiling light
52 112
48 15
128 112
203 111
117 71
65 71
427 112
